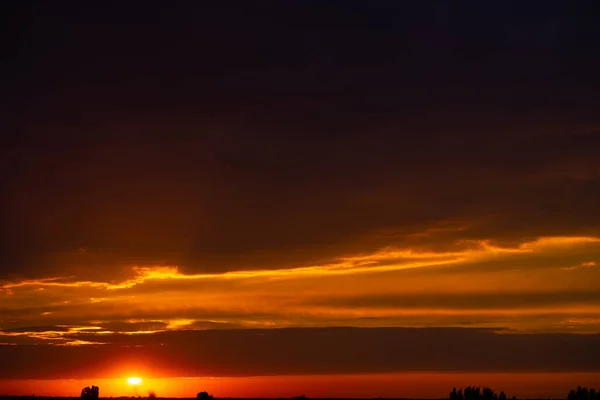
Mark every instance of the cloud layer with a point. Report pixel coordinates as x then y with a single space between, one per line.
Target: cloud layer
181 192
295 351
540 286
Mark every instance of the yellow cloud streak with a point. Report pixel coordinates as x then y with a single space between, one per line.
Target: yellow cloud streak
369 263
271 292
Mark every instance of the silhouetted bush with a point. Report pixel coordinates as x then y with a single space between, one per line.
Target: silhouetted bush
152 395
204 396
456 394
582 393
90 392
475 393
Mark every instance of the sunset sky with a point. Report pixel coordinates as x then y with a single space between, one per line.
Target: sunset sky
354 199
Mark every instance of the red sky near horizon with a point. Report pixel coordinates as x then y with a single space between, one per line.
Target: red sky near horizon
390 385
279 199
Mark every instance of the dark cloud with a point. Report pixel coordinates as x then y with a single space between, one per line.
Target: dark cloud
144 140
473 301
287 206
308 351
35 329
278 135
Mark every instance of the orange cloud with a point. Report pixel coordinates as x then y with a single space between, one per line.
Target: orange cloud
524 277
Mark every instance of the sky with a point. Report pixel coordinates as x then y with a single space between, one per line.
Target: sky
347 199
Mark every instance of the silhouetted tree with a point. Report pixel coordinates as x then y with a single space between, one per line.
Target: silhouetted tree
472 393
152 395
456 395
204 396
488 394
475 393
583 393
90 392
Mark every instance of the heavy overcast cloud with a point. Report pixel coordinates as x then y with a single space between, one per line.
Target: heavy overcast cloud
177 180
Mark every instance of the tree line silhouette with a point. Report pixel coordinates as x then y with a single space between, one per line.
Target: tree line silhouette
582 393
476 393
93 392
90 393
467 393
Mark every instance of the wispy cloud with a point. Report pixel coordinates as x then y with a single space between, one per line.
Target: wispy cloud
472 279
587 264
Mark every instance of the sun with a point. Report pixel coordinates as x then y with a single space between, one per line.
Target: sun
133 380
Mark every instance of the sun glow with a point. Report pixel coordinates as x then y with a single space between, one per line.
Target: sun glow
134 380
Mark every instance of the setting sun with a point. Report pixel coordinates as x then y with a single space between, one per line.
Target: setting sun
300 200
134 380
